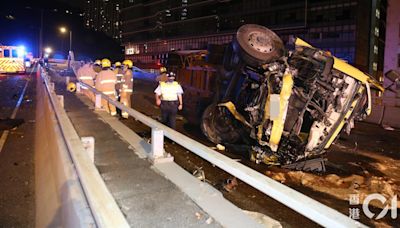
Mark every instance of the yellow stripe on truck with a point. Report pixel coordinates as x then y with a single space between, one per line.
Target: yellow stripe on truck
278 123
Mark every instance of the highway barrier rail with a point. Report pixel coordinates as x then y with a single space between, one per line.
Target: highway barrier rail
295 200
69 189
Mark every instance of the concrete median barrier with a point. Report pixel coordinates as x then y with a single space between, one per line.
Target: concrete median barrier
69 189
60 201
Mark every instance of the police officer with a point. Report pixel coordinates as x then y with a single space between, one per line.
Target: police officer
169 97
127 85
163 75
105 82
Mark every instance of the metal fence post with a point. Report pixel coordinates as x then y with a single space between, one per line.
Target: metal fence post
88 145
78 87
97 101
157 147
61 100
52 86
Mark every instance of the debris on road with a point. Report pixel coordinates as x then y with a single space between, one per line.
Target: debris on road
199 174
8 124
387 127
230 184
209 220
198 215
220 147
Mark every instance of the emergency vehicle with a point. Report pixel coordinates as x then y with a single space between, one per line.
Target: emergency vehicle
12 59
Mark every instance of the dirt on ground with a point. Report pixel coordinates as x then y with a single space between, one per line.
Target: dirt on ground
360 164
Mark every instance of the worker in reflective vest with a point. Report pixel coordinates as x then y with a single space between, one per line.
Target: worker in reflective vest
127 86
119 73
169 97
86 75
105 83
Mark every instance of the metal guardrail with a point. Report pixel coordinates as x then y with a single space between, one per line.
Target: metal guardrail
295 200
105 210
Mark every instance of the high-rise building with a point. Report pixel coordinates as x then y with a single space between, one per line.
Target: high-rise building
103 15
351 29
386 109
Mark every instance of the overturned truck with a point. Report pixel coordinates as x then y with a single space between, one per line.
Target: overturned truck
283 106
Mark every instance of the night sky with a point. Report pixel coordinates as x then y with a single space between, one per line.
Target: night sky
20 25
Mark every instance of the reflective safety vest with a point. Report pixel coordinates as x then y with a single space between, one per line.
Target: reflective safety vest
169 91
105 82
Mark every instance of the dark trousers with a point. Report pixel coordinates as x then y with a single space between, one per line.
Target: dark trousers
168 113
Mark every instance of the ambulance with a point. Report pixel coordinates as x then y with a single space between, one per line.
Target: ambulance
12 59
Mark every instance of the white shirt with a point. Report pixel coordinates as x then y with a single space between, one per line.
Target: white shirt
158 89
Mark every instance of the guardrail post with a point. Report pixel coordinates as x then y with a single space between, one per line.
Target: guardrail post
157 147
78 87
88 145
52 86
97 103
61 100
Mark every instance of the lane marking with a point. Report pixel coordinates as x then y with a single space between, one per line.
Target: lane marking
14 114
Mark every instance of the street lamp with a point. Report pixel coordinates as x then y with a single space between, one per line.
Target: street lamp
48 50
64 30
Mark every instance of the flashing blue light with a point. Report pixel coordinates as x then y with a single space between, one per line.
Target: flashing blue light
21 51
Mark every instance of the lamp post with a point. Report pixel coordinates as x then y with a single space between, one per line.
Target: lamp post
64 30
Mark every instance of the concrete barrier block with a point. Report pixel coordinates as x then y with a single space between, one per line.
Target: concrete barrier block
52 86
97 103
88 145
61 100
157 143
157 147
78 87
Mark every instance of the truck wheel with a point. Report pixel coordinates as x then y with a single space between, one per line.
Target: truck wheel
257 45
217 124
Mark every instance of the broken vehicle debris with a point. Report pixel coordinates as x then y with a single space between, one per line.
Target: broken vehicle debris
8 124
286 105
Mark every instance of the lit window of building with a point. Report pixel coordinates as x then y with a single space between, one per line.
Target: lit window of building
375 66
375 49
376 31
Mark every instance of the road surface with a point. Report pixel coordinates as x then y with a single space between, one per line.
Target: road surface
17 197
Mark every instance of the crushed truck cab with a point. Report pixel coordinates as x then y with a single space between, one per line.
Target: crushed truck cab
284 106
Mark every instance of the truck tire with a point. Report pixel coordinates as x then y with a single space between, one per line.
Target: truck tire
257 45
218 126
